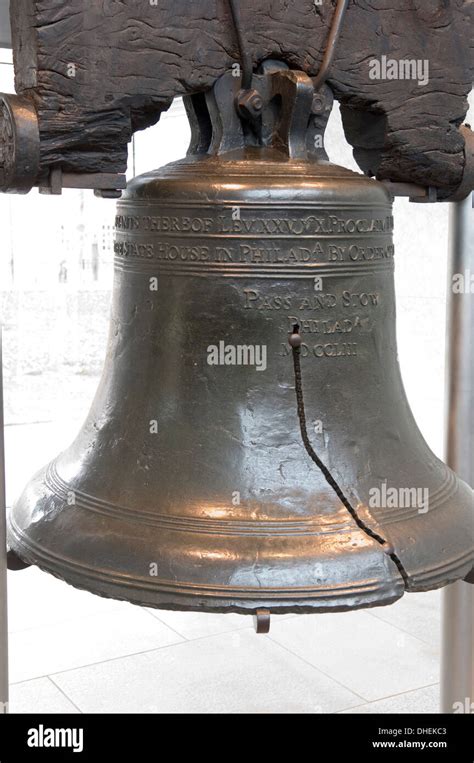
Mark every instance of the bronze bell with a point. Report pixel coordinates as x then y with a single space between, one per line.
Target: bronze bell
250 445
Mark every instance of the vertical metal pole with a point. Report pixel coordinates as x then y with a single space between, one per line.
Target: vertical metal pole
457 666
3 557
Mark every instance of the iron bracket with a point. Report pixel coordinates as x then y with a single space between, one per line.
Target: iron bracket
282 109
105 185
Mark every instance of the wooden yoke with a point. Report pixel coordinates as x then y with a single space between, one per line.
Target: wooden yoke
96 72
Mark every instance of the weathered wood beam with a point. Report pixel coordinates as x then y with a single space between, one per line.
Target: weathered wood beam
100 70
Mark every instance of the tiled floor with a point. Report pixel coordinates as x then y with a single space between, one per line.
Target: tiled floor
74 652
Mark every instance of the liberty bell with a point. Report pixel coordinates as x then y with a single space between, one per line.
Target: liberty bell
250 446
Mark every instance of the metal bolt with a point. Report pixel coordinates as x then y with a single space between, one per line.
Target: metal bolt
256 102
249 104
317 105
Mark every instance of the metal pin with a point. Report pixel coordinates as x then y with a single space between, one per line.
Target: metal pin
261 621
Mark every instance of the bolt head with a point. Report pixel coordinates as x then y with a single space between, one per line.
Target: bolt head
256 102
249 103
317 105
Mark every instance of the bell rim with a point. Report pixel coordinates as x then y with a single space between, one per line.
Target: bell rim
198 598
354 593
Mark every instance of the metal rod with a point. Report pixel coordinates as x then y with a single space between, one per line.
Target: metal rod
3 557
245 58
457 662
333 38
